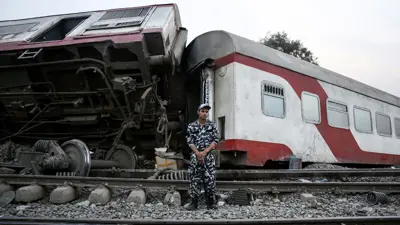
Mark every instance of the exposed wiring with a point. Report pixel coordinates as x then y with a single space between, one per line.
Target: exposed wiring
20 131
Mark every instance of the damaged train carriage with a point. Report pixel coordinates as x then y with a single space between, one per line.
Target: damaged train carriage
91 90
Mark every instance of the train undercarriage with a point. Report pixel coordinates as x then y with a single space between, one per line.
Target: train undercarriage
72 109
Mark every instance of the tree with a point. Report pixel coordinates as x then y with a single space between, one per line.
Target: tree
280 41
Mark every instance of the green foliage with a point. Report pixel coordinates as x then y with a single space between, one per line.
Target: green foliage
280 41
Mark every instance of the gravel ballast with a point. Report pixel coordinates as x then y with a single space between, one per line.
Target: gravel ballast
265 206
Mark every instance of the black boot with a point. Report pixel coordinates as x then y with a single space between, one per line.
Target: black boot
193 204
211 203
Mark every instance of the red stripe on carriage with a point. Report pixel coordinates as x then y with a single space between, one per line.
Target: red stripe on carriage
341 142
257 152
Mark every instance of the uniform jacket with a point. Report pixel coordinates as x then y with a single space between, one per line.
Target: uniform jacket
202 136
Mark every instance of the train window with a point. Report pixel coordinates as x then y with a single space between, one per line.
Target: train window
338 115
310 107
383 124
17 28
362 120
273 100
221 127
125 13
397 127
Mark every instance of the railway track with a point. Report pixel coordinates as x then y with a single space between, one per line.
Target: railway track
387 187
259 174
331 221
274 187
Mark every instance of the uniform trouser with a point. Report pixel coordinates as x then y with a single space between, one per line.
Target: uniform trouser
202 172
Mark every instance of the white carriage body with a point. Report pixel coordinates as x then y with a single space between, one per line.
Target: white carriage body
290 116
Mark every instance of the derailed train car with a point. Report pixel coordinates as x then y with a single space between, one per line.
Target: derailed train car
104 89
92 89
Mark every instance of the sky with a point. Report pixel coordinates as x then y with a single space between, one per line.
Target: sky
358 38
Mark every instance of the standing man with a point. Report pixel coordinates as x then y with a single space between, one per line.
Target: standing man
202 137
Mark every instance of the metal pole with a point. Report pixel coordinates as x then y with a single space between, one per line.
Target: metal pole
208 90
98 164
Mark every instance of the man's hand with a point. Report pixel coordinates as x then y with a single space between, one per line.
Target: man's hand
203 154
198 154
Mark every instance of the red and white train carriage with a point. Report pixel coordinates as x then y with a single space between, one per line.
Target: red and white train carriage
270 106
124 83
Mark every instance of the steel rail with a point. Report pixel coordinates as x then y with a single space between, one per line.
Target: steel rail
376 220
387 187
267 174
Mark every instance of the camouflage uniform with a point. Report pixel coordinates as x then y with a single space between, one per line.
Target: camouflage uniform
202 137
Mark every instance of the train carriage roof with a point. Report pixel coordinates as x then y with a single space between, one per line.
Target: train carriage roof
218 43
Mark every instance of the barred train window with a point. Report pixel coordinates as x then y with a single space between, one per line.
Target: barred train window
17 28
273 100
338 115
397 127
362 120
310 107
383 124
125 13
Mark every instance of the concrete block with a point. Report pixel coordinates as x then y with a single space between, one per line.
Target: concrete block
100 195
137 196
167 197
175 199
306 197
5 187
63 194
6 198
30 193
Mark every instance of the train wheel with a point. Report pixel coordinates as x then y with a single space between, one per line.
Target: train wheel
125 156
80 157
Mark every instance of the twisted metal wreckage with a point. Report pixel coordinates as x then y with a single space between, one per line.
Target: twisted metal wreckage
109 103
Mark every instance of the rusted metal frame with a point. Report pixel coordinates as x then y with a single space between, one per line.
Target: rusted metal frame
105 66
108 85
89 136
128 103
22 129
68 134
55 63
88 89
125 65
142 62
31 84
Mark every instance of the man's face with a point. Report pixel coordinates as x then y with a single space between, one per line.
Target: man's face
203 114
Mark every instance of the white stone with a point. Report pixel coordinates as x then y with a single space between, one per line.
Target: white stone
137 196
85 203
304 181
30 193
5 187
63 194
175 200
100 195
306 197
276 200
